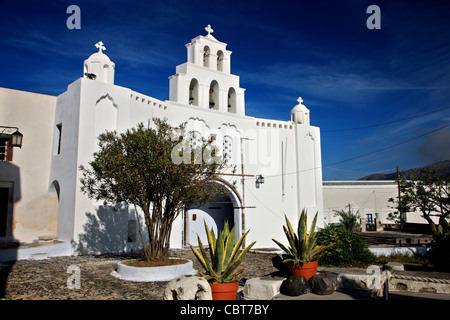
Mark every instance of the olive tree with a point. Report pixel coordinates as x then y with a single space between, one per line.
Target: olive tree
137 167
427 191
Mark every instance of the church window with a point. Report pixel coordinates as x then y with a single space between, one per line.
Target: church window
193 92
206 54
6 150
232 100
105 73
196 139
227 149
214 95
219 60
57 143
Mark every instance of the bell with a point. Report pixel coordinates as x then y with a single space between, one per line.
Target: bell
211 101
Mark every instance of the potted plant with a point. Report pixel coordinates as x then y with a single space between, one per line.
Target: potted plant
224 258
302 252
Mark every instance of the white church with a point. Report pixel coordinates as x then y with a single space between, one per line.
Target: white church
275 165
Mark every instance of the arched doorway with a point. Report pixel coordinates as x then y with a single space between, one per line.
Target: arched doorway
223 207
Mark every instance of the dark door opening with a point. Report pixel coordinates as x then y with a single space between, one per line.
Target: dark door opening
4 192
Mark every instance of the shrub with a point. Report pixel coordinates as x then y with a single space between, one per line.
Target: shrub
439 253
348 249
348 220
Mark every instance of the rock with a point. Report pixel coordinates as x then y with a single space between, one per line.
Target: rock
188 287
324 283
395 266
260 289
294 286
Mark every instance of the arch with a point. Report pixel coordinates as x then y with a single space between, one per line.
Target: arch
105 71
105 115
219 60
232 107
193 92
206 55
54 188
214 95
226 206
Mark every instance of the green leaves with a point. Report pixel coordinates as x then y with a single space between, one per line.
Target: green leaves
221 265
136 167
302 246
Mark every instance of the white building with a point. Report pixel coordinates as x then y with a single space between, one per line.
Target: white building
367 198
42 182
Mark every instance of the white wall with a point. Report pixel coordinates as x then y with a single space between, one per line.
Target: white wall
369 197
265 206
35 209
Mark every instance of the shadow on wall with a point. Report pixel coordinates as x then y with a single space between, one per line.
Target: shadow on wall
10 193
110 230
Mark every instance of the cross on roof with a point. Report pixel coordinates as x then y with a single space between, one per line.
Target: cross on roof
300 100
209 29
100 46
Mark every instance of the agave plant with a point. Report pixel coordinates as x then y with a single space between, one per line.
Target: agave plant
224 256
302 246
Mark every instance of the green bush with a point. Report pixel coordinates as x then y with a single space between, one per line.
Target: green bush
349 248
439 253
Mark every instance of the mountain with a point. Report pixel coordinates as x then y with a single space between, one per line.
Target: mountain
442 167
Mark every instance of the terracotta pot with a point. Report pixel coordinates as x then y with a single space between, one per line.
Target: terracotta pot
224 291
307 270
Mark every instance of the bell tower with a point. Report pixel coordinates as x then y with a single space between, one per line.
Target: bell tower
205 80
300 113
99 67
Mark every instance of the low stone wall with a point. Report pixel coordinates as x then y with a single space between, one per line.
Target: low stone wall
418 284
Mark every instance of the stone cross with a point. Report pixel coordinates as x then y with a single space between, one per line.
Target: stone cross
300 100
209 29
100 46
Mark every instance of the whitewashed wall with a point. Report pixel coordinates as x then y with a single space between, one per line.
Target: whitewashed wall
35 205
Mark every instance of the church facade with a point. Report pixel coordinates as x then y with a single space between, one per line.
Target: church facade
274 166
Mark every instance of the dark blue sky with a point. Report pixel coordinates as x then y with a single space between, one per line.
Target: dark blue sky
389 81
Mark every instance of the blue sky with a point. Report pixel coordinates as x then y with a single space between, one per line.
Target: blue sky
381 97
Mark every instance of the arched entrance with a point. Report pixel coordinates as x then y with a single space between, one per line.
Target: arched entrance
223 207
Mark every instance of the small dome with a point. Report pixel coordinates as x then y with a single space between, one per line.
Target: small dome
99 67
99 57
300 113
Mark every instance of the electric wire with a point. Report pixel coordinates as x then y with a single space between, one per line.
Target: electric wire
361 155
386 123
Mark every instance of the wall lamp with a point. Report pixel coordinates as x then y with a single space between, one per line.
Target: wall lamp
259 180
13 134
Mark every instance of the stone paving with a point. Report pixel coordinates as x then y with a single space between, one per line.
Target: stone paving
48 279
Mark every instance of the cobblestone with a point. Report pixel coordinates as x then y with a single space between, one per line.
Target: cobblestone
47 279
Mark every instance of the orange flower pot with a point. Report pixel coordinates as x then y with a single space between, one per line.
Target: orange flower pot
307 270
224 291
